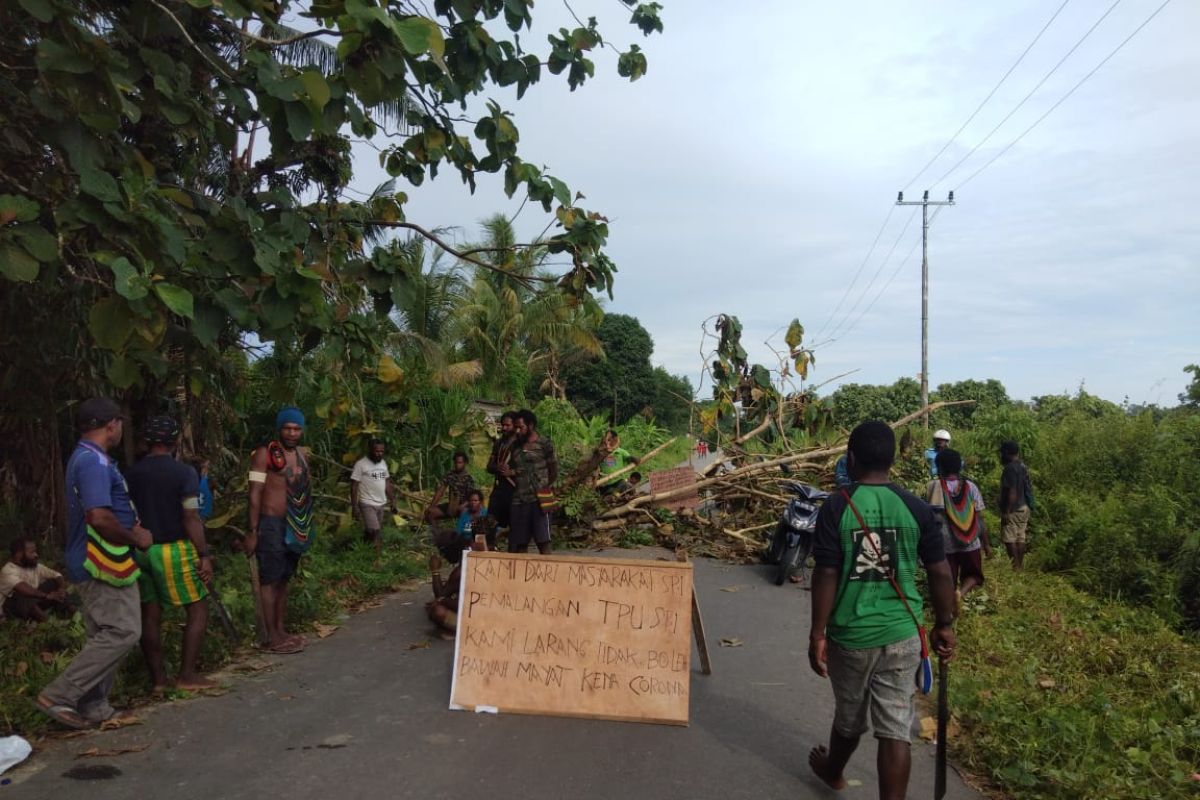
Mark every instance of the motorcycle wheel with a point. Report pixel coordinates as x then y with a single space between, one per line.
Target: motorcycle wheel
777 546
787 564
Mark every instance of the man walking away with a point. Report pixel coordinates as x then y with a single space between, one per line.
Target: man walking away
941 440
281 508
372 492
960 512
29 590
865 608
101 528
1015 493
176 569
534 467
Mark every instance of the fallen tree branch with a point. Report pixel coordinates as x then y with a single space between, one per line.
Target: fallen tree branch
612 476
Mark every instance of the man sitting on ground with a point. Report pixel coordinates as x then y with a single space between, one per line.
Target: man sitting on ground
29 590
456 483
443 609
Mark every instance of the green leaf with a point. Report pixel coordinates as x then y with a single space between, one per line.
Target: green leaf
420 35
53 56
41 10
316 87
129 283
14 207
123 372
299 121
110 323
207 322
100 185
16 264
176 298
795 334
561 193
37 241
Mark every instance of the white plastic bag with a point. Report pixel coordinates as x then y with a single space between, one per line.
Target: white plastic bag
13 750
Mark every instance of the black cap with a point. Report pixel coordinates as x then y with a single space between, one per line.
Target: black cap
161 430
96 412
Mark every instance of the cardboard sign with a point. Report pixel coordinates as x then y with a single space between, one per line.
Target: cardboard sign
667 479
574 636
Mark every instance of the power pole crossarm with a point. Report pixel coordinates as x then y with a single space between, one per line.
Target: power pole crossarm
924 203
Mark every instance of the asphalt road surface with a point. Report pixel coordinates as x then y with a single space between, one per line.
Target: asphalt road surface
363 714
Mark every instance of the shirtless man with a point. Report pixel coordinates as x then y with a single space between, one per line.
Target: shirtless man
280 521
443 609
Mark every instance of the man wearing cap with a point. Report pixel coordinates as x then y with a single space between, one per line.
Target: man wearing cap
941 440
177 567
102 527
280 521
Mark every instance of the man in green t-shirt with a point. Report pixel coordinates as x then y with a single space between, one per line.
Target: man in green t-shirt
864 636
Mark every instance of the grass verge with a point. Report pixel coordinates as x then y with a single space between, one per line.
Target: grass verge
1062 695
334 577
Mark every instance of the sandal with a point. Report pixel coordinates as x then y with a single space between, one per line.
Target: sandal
63 715
286 647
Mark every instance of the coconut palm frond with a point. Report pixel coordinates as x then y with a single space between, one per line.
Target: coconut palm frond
459 374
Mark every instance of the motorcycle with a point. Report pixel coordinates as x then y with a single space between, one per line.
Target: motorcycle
792 541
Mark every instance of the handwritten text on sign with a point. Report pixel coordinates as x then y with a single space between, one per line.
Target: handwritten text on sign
574 636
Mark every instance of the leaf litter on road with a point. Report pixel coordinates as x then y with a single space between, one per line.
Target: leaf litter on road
109 752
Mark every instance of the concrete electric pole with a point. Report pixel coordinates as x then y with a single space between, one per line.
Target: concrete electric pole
924 203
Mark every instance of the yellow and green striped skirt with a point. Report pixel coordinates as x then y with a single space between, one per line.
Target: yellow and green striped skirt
169 574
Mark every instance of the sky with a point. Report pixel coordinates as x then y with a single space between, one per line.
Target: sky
750 170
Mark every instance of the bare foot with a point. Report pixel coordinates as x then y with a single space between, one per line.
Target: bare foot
158 690
196 684
818 759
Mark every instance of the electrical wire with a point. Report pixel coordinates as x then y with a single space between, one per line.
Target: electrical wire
1063 99
1025 99
850 288
907 259
990 94
833 333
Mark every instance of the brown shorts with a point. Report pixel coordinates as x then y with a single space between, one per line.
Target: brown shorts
372 516
1014 526
965 565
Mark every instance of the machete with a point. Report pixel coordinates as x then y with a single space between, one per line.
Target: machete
943 719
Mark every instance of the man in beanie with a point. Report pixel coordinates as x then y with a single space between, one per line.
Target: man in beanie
177 567
280 521
102 526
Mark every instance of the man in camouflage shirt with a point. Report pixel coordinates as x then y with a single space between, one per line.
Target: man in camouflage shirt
533 466
459 483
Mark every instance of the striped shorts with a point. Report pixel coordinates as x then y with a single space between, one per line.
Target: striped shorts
169 574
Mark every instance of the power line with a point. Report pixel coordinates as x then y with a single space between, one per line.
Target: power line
833 333
850 288
1032 91
895 272
995 88
1063 99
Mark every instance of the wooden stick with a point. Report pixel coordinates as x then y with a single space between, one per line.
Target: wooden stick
697 622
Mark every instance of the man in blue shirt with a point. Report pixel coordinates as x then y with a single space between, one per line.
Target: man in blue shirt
102 525
941 440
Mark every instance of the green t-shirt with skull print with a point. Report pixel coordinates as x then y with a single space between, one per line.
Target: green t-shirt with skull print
867 612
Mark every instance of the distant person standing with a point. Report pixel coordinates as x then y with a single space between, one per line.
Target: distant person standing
281 509
866 610
534 467
941 440
372 492
1015 496
500 503
102 526
961 516
177 568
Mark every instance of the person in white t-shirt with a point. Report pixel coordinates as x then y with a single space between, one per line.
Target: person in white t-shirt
29 590
371 492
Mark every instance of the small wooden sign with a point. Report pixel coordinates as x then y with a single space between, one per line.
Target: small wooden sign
574 636
667 479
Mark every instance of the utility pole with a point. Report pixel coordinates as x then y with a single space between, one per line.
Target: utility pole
924 203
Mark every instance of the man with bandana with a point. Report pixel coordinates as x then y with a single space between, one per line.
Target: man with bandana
280 521
177 568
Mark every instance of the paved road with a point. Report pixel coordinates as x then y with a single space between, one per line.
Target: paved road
380 710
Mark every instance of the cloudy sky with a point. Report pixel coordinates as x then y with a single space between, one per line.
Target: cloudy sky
753 166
